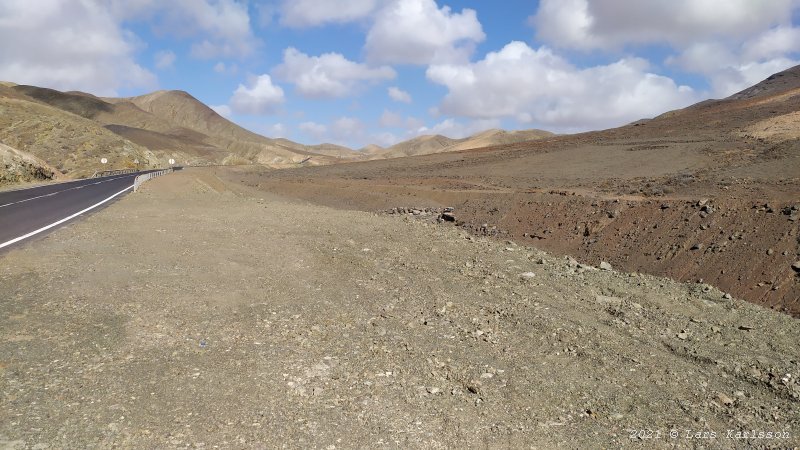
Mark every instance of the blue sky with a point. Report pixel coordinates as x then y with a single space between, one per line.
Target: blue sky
355 72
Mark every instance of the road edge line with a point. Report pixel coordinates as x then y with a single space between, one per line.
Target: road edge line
55 224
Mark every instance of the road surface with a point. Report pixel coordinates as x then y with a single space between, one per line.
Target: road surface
26 213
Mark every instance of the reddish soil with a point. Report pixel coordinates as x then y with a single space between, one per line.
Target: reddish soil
693 194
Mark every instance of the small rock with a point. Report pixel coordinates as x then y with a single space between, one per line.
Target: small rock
727 296
727 401
715 329
528 275
796 266
682 335
697 247
770 251
448 217
571 262
605 266
434 390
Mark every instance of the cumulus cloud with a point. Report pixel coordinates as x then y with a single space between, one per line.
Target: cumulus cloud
733 43
259 97
419 32
539 87
308 13
399 95
730 68
165 59
220 27
93 53
329 75
604 24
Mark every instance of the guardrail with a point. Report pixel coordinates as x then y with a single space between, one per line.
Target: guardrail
148 176
105 173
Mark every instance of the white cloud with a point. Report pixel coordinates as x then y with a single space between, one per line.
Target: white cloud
223 26
542 88
165 59
93 54
399 95
222 110
730 68
607 24
308 13
260 97
329 75
733 43
419 32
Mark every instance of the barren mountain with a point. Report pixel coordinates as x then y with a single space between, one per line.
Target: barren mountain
710 192
151 129
69 142
429 144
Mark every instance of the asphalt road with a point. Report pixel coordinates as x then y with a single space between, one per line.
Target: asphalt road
25 211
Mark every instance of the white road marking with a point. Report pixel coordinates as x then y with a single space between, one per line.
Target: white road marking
55 224
58 192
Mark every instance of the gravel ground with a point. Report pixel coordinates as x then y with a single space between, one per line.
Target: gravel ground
192 315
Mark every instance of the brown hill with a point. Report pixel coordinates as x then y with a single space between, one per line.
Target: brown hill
155 127
70 143
429 144
707 192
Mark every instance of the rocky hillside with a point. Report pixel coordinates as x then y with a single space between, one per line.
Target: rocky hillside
20 167
71 143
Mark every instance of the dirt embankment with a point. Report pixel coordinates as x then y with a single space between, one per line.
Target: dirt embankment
198 314
741 239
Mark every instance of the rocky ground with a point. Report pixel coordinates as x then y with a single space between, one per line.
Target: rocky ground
203 314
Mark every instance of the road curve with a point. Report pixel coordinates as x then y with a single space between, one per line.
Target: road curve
26 213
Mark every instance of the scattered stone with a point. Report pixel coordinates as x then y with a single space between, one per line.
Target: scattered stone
448 217
605 266
697 246
434 390
572 262
746 327
528 275
770 251
796 266
727 296
682 335
727 401
715 329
